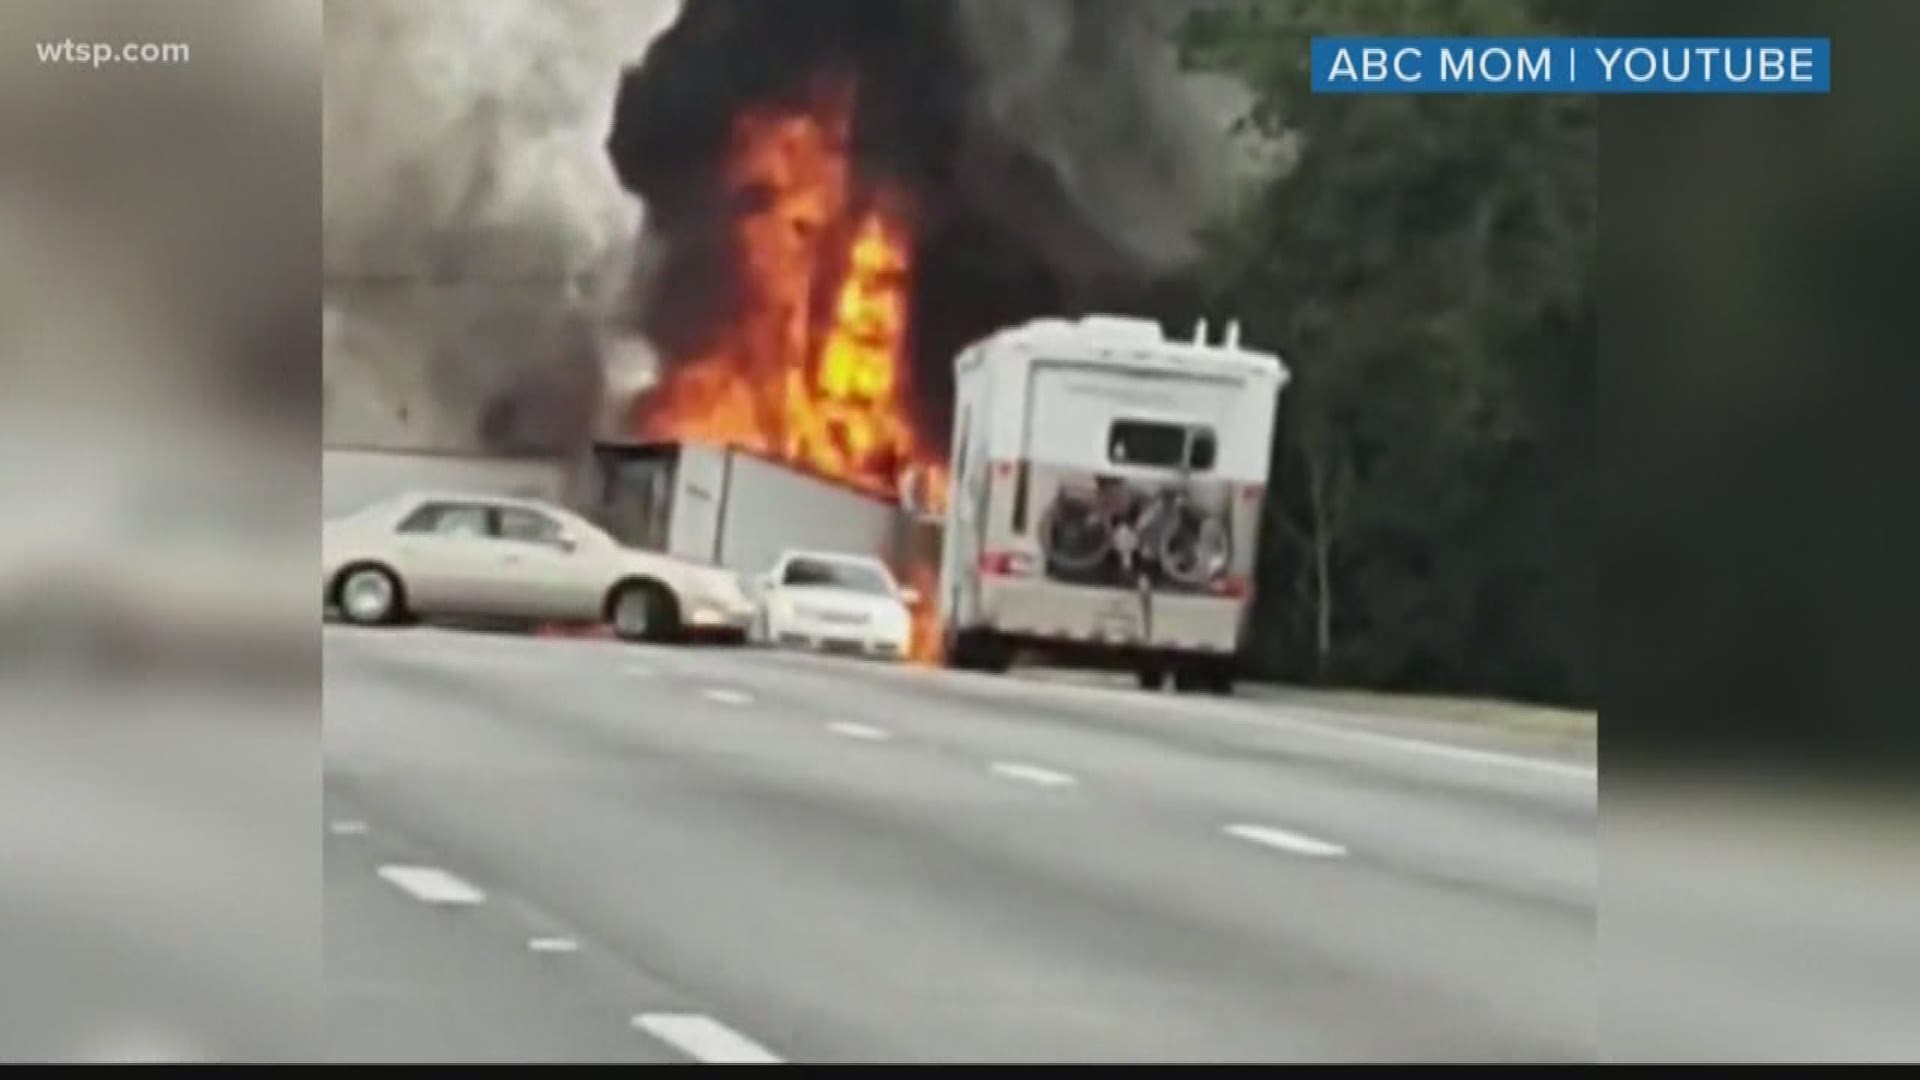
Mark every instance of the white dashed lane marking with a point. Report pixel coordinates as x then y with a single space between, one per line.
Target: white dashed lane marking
858 731
1287 841
1032 774
726 696
553 945
704 1039
431 885
347 828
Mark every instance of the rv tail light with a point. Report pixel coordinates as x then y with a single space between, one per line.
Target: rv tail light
1006 563
1234 587
1252 492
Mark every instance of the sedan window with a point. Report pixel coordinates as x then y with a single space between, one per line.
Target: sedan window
528 525
449 519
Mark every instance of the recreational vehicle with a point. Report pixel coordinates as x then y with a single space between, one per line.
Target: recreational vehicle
1107 489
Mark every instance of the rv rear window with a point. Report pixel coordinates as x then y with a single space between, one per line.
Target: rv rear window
1161 445
1204 449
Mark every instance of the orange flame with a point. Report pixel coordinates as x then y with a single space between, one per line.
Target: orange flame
926 645
809 369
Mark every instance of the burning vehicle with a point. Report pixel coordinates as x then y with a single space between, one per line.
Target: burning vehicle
802 387
840 196
833 199
1108 487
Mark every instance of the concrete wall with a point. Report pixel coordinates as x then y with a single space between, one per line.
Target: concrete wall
352 478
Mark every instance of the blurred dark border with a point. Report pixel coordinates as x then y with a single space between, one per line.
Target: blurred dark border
160 362
1758 430
1759 407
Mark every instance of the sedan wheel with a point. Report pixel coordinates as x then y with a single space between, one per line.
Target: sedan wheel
633 614
369 596
644 613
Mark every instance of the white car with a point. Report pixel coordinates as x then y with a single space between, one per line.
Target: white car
835 603
426 555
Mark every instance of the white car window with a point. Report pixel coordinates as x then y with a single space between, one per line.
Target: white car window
836 573
449 519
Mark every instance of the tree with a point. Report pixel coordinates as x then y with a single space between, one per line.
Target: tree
1425 267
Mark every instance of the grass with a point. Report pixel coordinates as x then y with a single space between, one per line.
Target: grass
1486 712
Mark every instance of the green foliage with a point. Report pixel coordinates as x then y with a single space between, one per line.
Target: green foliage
1426 269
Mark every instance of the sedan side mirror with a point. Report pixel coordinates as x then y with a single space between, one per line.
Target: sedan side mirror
567 544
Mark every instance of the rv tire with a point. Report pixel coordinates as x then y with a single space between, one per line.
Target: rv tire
1218 678
1212 677
979 650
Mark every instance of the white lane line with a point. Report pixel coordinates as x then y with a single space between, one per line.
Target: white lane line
1287 841
726 696
1334 726
1566 769
431 885
1032 774
348 828
553 945
704 1039
858 731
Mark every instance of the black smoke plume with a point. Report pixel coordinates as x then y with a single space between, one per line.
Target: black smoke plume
1058 160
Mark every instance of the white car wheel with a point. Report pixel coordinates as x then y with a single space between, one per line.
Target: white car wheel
369 596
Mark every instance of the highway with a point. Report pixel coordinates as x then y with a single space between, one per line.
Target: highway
542 849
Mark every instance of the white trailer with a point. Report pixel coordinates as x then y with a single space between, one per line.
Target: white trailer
1107 489
729 507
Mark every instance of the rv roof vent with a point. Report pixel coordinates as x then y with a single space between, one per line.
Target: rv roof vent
1125 329
1049 326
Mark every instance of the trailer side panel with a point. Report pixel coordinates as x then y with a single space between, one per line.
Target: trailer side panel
772 507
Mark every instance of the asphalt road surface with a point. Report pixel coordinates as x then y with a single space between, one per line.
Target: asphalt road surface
544 849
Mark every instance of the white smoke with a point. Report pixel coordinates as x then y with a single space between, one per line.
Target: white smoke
473 225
